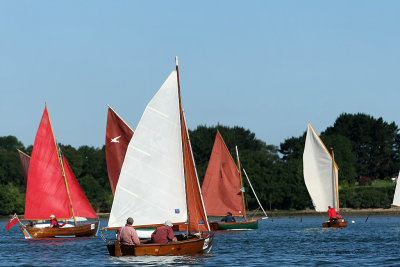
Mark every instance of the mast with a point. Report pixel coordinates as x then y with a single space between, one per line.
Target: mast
335 178
241 184
62 169
183 143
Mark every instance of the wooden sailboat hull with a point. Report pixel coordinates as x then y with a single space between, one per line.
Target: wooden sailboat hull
243 225
339 223
82 230
193 245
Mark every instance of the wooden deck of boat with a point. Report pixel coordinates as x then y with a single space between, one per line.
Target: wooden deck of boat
193 245
81 230
339 223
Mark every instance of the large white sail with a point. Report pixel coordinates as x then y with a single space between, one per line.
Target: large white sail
151 187
396 198
320 172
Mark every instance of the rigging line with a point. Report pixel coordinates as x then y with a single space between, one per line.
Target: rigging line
254 192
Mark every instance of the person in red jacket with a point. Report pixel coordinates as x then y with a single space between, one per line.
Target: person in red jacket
164 234
332 213
54 222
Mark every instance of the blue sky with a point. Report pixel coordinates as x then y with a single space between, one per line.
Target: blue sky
269 66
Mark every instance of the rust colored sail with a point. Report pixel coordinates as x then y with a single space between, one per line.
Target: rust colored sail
24 159
221 185
197 215
118 136
82 207
46 193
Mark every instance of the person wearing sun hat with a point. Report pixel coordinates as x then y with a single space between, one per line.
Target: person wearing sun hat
164 234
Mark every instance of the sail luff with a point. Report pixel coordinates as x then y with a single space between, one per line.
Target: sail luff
336 181
183 142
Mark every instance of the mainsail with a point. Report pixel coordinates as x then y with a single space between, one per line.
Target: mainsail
118 136
221 185
46 191
320 173
396 197
151 186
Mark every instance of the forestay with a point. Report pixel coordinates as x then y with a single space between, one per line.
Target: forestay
151 186
320 172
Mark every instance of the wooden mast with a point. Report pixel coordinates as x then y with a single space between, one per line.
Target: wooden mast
183 143
241 184
334 175
62 168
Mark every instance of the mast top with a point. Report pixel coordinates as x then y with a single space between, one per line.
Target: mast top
176 60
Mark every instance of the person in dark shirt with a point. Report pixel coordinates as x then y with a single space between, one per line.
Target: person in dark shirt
228 218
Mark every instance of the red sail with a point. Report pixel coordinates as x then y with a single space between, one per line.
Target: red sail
221 185
80 203
197 215
24 159
46 193
118 136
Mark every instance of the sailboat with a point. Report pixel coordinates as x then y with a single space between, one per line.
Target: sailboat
53 189
396 197
321 176
158 180
223 189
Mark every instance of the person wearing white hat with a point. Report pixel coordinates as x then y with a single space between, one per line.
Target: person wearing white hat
164 234
54 222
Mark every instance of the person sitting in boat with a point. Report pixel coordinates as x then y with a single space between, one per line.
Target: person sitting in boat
128 235
332 214
228 218
54 222
164 234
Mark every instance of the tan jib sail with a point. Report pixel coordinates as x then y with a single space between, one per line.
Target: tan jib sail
221 186
320 173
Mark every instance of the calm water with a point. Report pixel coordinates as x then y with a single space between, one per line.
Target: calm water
277 242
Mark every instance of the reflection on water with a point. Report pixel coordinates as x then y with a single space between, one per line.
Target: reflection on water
281 242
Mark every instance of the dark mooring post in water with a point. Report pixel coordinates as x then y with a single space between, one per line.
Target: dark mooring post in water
367 218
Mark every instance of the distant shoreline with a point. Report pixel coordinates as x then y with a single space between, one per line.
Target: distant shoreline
296 213
345 212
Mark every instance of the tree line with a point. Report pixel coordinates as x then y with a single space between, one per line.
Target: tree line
367 151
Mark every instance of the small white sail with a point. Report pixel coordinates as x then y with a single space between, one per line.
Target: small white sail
151 187
320 172
396 198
